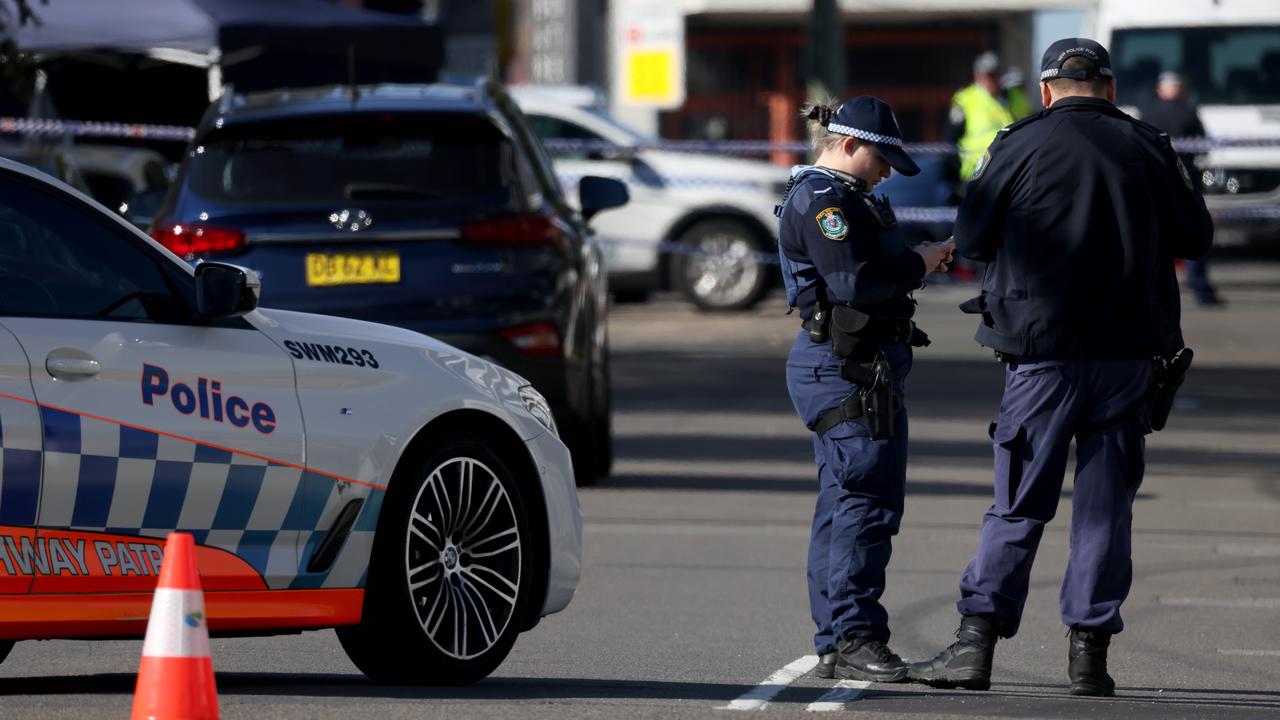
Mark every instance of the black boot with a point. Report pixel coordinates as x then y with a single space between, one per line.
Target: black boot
871 660
967 663
826 668
1087 662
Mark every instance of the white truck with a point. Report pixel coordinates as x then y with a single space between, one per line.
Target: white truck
1229 51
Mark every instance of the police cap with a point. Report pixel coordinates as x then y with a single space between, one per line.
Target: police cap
870 119
1059 52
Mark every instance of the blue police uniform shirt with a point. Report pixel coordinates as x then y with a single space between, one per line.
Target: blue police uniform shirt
1079 211
840 246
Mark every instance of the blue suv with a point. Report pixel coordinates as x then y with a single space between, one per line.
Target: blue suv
432 207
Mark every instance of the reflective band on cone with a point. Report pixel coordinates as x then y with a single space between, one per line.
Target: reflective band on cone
175 677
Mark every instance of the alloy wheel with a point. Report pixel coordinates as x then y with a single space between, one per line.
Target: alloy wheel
721 271
462 558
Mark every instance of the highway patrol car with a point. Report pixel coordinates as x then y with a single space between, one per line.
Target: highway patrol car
334 473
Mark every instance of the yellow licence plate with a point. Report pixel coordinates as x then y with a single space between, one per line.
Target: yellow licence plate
353 268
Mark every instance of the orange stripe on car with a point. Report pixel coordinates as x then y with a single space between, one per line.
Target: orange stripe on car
71 561
29 617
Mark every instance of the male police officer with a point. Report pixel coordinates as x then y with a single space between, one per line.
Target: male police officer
849 271
1080 211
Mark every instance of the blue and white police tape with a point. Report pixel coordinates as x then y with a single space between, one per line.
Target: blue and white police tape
76 128
647 178
674 248
907 216
607 150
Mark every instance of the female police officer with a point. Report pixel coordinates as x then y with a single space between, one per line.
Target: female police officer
848 270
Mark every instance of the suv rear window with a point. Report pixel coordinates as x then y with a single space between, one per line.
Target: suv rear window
376 156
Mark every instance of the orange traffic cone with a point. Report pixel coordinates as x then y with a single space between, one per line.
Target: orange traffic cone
175 678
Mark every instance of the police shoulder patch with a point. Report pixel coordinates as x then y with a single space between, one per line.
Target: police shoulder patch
981 167
1186 176
832 224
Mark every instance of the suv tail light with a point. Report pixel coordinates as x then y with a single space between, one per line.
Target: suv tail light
539 340
188 240
519 230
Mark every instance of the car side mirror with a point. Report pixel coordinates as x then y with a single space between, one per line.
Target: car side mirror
599 193
224 290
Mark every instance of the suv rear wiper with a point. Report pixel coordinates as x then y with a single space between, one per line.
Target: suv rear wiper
387 191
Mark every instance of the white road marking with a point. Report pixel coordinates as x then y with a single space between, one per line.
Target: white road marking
757 697
1268 603
1250 653
1243 550
845 691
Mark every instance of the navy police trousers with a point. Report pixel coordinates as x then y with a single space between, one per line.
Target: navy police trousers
1045 405
860 496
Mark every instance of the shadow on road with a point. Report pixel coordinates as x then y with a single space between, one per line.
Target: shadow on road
357 686
937 388
1004 699
1214 399
628 481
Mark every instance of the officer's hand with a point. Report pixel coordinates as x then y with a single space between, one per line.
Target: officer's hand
936 256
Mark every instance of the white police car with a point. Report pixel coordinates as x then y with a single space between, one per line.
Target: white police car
714 213
334 473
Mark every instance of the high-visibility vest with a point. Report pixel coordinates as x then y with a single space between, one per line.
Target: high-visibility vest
984 116
1016 100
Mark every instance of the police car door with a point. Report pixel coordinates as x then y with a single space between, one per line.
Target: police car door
152 421
19 447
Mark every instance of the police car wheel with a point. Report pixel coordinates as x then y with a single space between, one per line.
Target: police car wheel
449 580
719 271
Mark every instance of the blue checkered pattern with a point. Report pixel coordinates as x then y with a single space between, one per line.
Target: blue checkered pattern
19 466
104 477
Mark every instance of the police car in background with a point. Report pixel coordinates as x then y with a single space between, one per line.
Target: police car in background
334 473
716 211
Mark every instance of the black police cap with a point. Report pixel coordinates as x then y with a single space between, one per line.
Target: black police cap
870 119
1059 52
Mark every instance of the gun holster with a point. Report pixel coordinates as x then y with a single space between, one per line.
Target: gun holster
874 404
1168 377
879 403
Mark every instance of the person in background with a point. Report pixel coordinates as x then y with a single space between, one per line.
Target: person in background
978 113
1012 96
1173 112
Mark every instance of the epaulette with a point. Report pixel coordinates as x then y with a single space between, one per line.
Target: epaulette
1018 124
1160 135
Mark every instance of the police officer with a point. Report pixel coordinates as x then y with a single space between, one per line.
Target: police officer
849 272
1173 112
1080 211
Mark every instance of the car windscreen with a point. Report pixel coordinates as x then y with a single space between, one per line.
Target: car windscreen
353 156
1223 65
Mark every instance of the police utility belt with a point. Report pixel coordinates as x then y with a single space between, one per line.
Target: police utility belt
1168 373
855 336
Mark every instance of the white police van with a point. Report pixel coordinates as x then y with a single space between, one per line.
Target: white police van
334 473
1229 51
696 222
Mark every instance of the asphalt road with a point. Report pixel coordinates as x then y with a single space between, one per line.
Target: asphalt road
694 595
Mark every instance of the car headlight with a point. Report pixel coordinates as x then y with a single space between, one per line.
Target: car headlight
538 408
